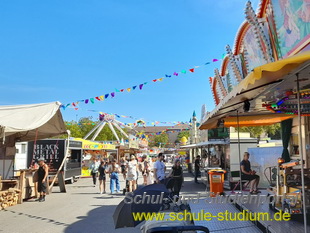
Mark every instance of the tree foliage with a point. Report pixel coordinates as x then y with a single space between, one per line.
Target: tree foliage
185 133
86 124
272 131
159 140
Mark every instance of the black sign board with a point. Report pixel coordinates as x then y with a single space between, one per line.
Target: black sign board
52 151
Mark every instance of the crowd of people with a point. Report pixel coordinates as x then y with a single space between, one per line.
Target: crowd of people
129 168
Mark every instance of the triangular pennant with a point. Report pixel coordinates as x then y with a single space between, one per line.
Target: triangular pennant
106 96
112 94
122 90
73 104
183 71
192 70
223 56
145 83
154 80
214 60
97 98
141 86
128 89
160 79
86 101
175 73
134 87
92 100
168 76
207 63
101 97
116 90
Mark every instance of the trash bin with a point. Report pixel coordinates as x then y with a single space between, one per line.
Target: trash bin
216 177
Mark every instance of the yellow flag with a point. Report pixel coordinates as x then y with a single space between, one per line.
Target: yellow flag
101 97
128 89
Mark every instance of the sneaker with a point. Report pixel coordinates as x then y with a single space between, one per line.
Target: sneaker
118 192
104 192
42 199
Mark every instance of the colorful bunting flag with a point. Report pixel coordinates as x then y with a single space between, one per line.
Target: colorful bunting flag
122 90
175 73
101 97
154 80
134 87
128 89
97 98
140 86
160 79
113 94
168 76
214 60
106 96
183 71
116 90
92 100
207 63
86 101
192 70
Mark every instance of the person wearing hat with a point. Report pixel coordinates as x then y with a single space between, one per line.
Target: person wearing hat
132 168
42 179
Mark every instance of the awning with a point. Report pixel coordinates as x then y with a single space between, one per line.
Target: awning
90 145
258 81
256 120
189 146
215 142
30 122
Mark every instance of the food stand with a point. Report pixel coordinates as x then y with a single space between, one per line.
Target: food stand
93 150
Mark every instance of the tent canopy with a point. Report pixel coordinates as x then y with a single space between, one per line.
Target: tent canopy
30 122
261 80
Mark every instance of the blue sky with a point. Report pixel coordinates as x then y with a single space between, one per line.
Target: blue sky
76 49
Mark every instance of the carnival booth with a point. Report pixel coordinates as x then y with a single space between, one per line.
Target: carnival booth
95 150
264 79
24 123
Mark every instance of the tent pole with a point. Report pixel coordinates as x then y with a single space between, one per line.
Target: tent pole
301 155
239 150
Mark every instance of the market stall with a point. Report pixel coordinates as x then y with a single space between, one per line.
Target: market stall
24 123
95 150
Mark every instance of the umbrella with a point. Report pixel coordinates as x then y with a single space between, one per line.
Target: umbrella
151 201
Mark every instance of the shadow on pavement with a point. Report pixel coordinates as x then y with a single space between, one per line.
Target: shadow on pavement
98 220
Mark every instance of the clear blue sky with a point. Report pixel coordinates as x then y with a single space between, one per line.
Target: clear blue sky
76 49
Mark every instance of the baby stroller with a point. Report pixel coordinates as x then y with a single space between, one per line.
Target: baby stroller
172 199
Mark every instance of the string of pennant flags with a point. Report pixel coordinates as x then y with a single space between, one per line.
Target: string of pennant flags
75 105
138 122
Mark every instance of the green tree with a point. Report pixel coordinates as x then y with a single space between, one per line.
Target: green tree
86 124
183 134
159 140
273 131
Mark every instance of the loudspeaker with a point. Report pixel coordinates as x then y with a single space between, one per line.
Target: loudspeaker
246 105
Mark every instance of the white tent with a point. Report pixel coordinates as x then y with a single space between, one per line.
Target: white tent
30 122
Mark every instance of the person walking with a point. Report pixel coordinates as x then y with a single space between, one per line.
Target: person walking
177 174
145 169
42 179
132 168
159 169
102 178
94 170
197 168
114 170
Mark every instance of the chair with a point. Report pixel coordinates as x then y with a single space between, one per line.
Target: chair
235 178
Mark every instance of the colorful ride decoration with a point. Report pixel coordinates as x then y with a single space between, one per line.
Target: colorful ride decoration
289 104
279 29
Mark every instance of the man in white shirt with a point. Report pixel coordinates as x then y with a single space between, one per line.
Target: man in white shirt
159 169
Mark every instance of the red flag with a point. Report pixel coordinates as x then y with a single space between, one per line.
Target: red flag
97 98
192 70
122 90
154 80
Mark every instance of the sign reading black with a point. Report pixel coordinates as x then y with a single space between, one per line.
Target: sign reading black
52 151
